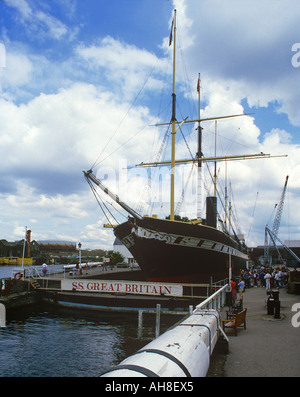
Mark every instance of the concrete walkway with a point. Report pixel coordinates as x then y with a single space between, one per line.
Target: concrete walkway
268 347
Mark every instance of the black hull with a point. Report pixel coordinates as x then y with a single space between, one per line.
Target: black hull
181 252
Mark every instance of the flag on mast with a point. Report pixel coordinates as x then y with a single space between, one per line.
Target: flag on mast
198 84
171 34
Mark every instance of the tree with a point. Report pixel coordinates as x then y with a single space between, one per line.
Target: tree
115 257
179 218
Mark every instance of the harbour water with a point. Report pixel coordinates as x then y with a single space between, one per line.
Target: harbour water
40 342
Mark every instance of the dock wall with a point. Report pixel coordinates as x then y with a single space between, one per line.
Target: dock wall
21 299
16 294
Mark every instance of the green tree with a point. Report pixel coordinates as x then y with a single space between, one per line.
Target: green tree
115 257
179 218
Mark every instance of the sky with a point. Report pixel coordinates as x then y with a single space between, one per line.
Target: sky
83 81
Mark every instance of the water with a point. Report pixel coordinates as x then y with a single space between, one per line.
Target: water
6 271
43 342
51 344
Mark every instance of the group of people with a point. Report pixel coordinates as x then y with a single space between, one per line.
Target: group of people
79 268
234 286
259 277
270 277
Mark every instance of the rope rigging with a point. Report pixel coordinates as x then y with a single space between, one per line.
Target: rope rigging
98 198
97 161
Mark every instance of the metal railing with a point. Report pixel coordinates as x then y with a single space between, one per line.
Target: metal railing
215 301
26 272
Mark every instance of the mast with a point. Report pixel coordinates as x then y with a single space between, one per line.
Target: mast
23 255
172 198
199 155
215 172
226 197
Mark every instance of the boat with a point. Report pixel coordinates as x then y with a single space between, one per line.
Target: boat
16 248
15 261
172 250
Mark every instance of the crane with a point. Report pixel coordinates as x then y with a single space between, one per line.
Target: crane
273 234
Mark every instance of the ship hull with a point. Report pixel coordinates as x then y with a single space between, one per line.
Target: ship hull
181 252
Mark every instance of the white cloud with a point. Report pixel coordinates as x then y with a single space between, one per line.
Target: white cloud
39 22
97 235
55 27
245 43
125 66
81 107
66 129
22 6
18 70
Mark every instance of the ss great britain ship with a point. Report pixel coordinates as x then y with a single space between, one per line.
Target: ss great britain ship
176 251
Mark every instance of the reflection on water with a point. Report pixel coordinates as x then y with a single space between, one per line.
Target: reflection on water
63 345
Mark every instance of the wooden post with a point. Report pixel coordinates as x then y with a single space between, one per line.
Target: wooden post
140 324
157 328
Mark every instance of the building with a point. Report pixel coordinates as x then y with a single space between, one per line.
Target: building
57 249
15 249
11 253
257 253
118 246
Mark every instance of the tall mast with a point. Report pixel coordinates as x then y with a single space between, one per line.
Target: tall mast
172 198
199 155
215 172
226 197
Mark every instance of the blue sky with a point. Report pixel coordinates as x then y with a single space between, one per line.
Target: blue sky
84 79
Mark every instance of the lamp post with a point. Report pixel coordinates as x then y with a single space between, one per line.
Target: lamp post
79 248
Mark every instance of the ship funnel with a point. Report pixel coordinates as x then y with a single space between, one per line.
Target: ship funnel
211 211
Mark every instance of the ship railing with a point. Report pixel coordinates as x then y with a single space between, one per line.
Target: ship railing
215 301
26 272
30 272
202 291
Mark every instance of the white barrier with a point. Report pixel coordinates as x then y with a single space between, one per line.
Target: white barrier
183 351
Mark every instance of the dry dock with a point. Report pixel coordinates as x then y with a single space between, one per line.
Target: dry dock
268 347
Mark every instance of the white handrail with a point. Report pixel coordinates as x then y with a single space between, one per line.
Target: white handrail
214 301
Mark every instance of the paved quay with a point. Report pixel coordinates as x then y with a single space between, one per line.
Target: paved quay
98 272
268 347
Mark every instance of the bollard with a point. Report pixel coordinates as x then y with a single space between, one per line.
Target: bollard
270 306
273 304
277 309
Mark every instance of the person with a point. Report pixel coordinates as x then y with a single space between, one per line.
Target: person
278 278
284 277
86 268
241 288
233 290
255 278
246 277
44 269
268 280
262 278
